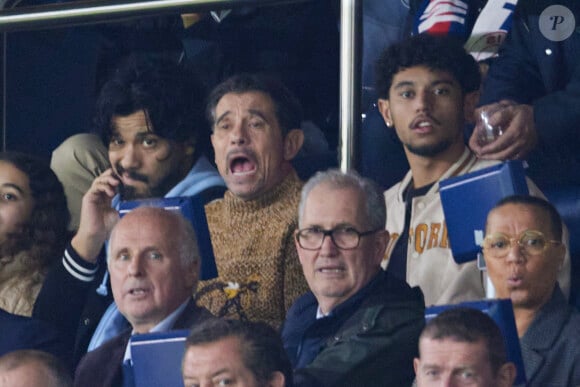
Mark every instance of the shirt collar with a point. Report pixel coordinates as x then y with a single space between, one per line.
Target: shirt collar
354 300
319 313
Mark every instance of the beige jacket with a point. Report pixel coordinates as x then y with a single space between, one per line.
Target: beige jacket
19 286
430 264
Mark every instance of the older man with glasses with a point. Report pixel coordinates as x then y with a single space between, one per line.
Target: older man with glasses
524 253
358 326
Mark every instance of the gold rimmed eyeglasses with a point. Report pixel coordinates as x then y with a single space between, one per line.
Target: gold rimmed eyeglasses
531 242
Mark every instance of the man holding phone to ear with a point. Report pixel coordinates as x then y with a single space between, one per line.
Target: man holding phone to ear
151 116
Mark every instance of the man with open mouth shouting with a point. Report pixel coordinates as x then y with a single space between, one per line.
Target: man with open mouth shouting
255 134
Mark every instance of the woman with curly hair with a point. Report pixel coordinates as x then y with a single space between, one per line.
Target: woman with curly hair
33 228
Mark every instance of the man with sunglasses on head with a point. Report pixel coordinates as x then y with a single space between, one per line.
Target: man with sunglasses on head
523 254
358 326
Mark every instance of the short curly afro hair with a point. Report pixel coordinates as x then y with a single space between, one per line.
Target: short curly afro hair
443 53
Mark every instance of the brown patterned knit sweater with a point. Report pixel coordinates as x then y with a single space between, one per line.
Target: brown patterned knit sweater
259 272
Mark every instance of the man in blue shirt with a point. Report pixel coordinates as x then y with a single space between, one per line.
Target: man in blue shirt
151 115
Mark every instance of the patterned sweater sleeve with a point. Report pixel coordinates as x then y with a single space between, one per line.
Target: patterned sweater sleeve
294 282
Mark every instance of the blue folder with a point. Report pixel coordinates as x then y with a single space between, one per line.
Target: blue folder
501 311
467 199
157 358
192 208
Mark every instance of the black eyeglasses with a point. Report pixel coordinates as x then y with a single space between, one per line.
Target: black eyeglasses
345 238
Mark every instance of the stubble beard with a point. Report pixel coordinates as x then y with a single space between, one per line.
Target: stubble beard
160 190
430 150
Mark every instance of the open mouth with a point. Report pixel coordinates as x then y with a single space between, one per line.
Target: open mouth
422 126
137 292
242 165
331 270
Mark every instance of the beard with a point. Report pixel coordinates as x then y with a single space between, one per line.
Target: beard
430 150
169 181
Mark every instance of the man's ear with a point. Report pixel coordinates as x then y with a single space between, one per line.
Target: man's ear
506 375
416 362
292 143
560 255
277 379
189 146
213 145
469 104
385 110
191 273
381 243
297 245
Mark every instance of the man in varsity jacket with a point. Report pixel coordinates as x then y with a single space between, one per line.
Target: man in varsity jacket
428 89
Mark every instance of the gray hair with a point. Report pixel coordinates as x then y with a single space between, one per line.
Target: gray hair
53 370
184 234
376 213
188 247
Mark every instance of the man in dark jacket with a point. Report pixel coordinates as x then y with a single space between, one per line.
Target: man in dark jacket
153 261
536 78
358 326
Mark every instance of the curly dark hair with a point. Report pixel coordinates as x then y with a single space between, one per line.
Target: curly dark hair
172 97
45 234
443 53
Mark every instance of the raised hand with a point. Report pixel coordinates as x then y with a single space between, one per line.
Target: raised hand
97 216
